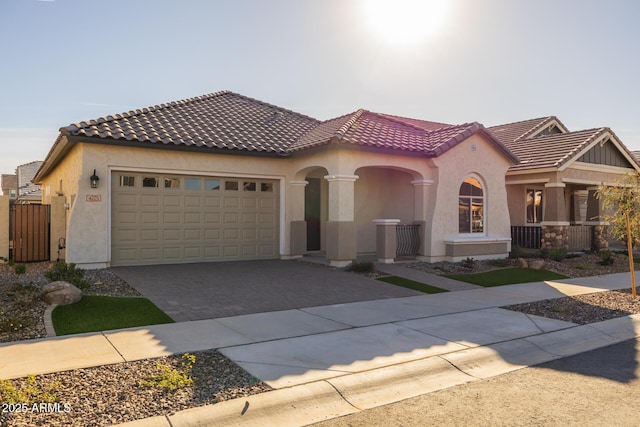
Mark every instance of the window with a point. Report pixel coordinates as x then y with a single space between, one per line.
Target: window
150 182
231 185
127 181
192 184
212 184
534 206
249 186
266 187
471 207
171 183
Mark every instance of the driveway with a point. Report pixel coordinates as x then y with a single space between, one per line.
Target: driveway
221 289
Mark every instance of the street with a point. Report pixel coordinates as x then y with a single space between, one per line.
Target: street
596 388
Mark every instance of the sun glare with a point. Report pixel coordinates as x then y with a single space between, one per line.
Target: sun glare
405 22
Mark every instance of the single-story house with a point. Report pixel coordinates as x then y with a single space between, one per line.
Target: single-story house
552 189
227 177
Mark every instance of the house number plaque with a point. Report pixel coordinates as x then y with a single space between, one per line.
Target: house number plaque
94 197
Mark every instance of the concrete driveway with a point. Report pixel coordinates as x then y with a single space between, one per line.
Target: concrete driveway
221 289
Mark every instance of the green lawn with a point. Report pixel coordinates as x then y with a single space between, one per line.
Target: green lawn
507 276
100 313
412 284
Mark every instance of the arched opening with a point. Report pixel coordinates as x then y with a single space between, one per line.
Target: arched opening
471 206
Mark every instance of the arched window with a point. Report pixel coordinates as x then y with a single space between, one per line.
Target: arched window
471 207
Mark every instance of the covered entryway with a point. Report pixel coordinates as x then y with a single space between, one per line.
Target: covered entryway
161 218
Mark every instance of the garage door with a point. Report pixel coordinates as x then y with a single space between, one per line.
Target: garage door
157 219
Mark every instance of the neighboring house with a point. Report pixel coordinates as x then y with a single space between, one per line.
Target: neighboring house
227 177
10 186
28 192
552 190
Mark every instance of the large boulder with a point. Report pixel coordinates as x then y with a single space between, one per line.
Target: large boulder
522 263
538 264
61 293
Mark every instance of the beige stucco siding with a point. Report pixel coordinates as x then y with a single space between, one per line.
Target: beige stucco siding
472 157
381 193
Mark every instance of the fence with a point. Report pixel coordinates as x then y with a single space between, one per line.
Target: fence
408 238
580 237
29 233
528 237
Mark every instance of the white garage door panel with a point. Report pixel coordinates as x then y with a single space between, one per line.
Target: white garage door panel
170 220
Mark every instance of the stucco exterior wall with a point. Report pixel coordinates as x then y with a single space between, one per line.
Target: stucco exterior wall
385 187
472 157
381 193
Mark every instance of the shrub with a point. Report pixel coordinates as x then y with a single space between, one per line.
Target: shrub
468 263
516 252
20 269
172 378
606 257
31 393
361 267
68 273
555 254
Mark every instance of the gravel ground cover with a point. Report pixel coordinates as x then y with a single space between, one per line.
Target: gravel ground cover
112 394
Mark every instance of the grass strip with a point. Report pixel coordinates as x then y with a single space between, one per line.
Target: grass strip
507 276
102 313
412 284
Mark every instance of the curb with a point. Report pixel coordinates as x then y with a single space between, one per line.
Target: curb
348 394
48 322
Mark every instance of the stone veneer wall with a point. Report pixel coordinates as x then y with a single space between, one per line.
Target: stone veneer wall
555 236
600 237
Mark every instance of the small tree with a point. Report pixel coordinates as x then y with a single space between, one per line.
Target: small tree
623 199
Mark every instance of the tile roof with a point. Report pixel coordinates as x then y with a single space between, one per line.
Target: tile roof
510 132
424 124
219 120
365 128
226 120
552 150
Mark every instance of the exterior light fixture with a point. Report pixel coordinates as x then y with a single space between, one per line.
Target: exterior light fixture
94 179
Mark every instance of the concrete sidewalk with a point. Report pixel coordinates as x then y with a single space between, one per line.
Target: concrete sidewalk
333 360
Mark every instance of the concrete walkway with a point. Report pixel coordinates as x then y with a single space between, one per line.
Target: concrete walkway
333 360
424 277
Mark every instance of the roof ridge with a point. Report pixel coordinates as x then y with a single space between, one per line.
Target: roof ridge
179 102
345 127
543 122
522 121
396 119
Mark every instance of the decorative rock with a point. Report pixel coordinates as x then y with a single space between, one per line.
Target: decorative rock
538 264
61 293
522 263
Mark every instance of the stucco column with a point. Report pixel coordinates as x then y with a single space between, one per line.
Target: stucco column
4 226
555 226
386 239
298 226
57 228
420 210
341 229
599 230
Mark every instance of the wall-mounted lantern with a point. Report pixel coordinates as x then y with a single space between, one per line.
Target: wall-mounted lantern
94 179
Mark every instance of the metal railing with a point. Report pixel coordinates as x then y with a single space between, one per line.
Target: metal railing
408 238
528 237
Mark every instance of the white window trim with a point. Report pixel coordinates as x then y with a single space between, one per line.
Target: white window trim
484 207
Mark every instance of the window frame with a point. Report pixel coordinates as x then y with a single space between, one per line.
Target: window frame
472 200
534 189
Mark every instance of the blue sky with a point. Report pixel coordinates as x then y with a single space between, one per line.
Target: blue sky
490 61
